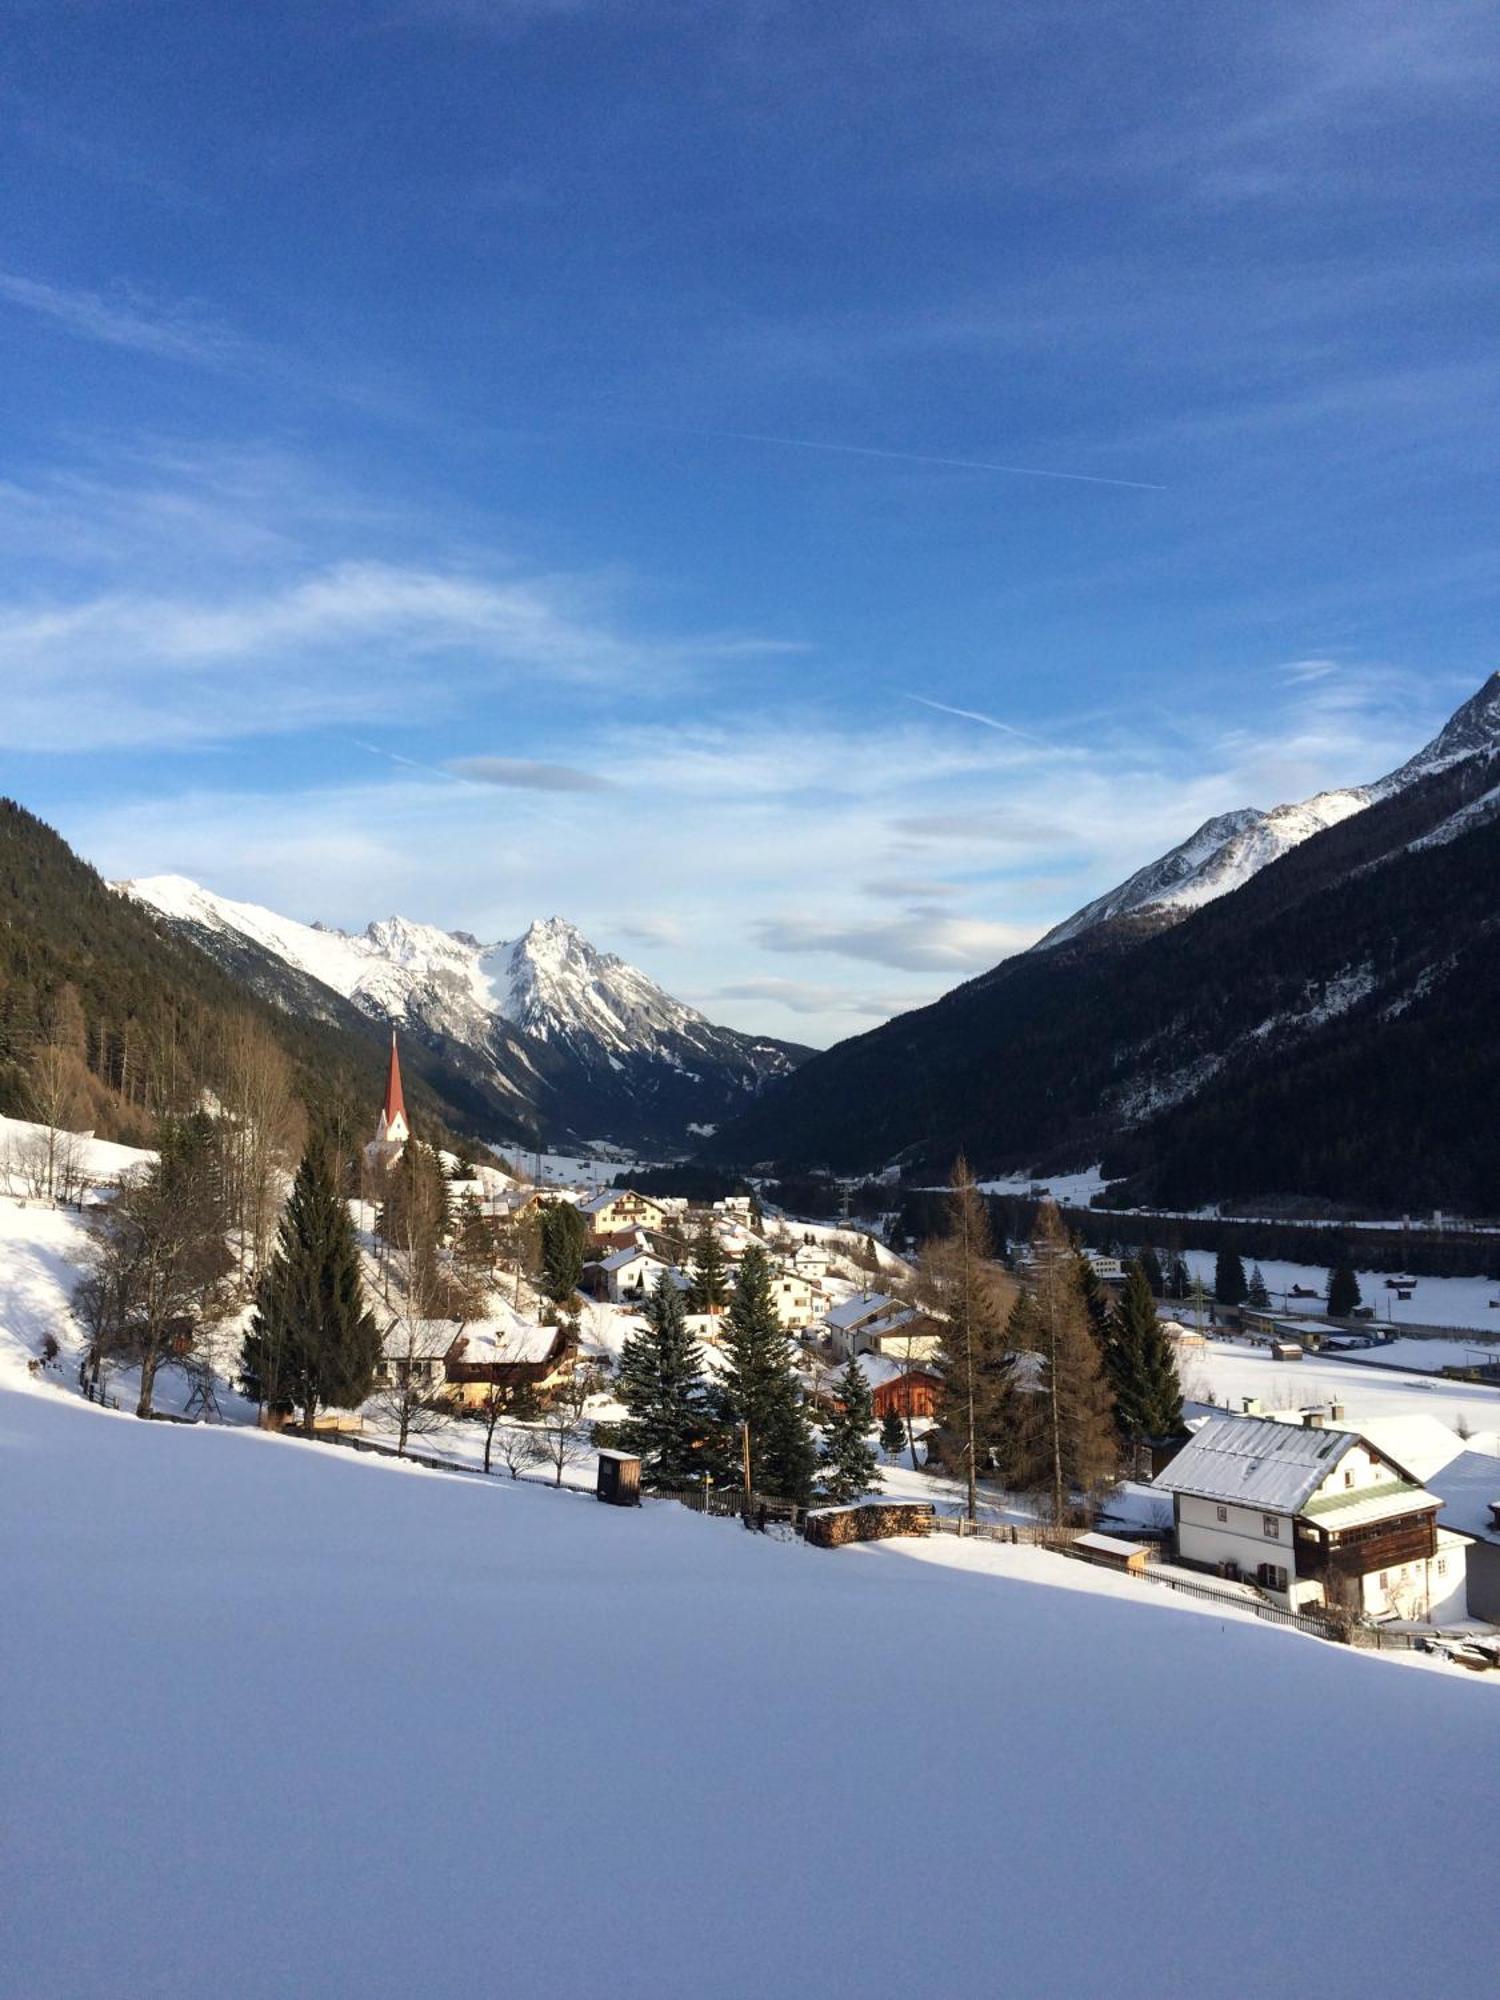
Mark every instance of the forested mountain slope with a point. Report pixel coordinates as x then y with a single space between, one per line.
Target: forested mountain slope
151 1011
1324 1030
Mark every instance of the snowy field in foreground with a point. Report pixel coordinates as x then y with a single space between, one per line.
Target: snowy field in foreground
282 1721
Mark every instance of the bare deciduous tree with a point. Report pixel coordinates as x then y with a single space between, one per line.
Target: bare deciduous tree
159 1261
561 1435
409 1398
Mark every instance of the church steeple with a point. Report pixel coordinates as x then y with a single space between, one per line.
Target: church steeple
393 1129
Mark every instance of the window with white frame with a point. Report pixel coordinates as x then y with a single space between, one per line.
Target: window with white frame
1270 1527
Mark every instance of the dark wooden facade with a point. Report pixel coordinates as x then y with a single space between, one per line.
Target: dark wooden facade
912 1394
1341 1560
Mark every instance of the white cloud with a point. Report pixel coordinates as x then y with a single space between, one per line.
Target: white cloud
920 941
343 641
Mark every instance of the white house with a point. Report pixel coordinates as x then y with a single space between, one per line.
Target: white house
852 1316
797 1301
632 1274
1315 1517
908 1336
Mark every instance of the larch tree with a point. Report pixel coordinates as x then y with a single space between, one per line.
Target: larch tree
662 1388
760 1389
964 1289
57 1090
262 1130
312 1341
1069 1430
1141 1366
848 1469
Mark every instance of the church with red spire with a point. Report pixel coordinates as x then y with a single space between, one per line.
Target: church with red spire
391 1128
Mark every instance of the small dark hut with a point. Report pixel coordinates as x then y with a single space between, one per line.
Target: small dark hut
619 1480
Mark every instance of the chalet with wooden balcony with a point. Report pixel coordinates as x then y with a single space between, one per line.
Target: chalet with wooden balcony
1317 1518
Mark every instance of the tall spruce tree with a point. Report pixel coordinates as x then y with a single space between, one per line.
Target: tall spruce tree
760 1387
1155 1277
1141 1366
661 1385
312 1343
708 1290
1230 1282
849 1459
1257 1295
564 1234
977 1408
1343 1291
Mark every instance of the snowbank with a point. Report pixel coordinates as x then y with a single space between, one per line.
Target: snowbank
283 1720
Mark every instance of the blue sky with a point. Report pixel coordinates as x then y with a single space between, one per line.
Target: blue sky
813 494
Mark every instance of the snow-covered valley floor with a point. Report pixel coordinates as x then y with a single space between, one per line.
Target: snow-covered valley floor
285 1721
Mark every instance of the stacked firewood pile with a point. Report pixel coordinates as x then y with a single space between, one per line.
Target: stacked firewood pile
869 1521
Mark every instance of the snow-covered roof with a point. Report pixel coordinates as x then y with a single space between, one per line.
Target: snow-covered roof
1256 1461
1419 1443
633 1253
607 1199
1364 1506
1469 1488
511 1339
422 1339
879 1369
855 1311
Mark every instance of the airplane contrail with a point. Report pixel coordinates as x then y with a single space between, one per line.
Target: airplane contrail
978 715
930 458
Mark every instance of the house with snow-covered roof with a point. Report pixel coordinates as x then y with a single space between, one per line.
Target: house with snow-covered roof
506 1353
615 1210
1316 1517
633 1273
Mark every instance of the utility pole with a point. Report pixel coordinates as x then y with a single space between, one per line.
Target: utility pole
745 1463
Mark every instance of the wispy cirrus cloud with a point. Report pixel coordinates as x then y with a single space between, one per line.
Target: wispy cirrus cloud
126 667
127 318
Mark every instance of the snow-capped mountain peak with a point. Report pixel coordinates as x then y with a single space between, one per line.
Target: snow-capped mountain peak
1227 850
1224 852
1472 730
541 1013
552 982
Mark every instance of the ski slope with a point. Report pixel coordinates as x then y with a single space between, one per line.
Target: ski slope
281 1720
